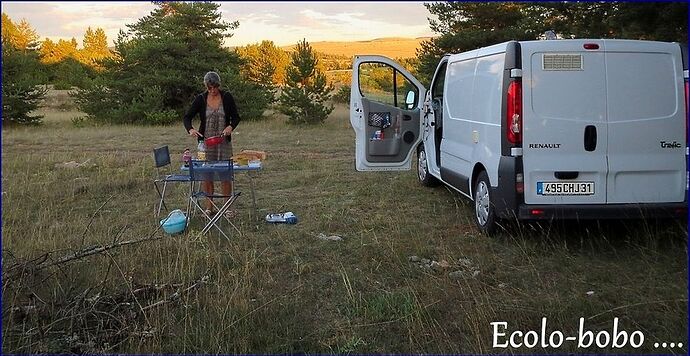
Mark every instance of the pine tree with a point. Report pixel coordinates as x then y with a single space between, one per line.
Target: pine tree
159 63
95 47
21 74
20 35
304 97
464 26
265 63
49 52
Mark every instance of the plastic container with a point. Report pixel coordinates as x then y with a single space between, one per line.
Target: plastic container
175 222
282 218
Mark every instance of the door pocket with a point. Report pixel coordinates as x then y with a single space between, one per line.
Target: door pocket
385 147
381 120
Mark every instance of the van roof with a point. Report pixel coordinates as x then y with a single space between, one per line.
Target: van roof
500 47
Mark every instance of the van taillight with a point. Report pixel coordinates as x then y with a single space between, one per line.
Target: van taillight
687 103
514 113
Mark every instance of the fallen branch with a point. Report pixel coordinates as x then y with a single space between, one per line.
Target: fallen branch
179 293
83 235
92 251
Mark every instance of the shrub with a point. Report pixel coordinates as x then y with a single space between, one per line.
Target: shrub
342 95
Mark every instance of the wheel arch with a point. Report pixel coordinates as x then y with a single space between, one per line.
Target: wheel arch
478 168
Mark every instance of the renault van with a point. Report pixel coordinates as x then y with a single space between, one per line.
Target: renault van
552 129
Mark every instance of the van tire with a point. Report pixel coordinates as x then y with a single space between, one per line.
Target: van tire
425 178
484 215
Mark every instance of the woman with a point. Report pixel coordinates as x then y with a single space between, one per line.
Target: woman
218 114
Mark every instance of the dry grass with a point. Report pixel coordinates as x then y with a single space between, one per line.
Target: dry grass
279 289
390 47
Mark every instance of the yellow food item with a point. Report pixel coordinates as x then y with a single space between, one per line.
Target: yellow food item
242 161
254 155
245 156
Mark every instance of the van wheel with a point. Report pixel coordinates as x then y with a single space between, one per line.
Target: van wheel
425 178
484 214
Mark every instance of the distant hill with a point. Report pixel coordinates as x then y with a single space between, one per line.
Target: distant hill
393 47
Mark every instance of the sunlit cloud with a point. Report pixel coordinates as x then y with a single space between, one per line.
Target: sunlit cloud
285 23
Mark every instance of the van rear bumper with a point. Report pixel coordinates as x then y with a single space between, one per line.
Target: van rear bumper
601 211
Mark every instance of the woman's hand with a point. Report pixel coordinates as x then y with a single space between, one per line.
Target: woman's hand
195 133
227 131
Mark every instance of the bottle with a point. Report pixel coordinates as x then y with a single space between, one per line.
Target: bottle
186 157
201 151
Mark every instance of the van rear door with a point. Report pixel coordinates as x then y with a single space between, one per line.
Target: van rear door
565 133
385 107
646 118
603 121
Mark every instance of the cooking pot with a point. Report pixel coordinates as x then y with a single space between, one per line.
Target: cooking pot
215 140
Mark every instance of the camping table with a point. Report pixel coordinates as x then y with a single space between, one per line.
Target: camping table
250 169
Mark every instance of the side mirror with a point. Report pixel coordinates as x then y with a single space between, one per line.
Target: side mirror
409 100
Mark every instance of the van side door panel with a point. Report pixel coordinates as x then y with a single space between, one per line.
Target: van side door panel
458 121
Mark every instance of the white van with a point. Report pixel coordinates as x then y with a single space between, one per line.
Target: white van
567 129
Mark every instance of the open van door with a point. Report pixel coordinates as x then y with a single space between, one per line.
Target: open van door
385 112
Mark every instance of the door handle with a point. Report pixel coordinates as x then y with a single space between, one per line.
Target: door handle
566 175
590 138
407 117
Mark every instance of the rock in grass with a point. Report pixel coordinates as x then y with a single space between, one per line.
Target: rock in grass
414 259
456 275
465 262
74 164
436 266
323 236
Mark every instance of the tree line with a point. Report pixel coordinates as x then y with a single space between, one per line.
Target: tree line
463 26
156 66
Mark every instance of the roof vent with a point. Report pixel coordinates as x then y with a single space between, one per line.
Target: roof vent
562 62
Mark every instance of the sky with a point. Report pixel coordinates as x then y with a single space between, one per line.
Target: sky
284 22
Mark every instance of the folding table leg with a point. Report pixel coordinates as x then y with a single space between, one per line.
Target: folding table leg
255 212
220 214
161 195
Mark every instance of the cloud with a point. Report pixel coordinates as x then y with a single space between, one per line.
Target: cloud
66 20
282 22
287 23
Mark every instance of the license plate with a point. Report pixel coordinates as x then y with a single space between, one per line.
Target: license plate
565 188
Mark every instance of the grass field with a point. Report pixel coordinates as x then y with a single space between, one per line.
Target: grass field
390 47
281 289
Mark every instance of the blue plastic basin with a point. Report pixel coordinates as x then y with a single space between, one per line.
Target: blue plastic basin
174 223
